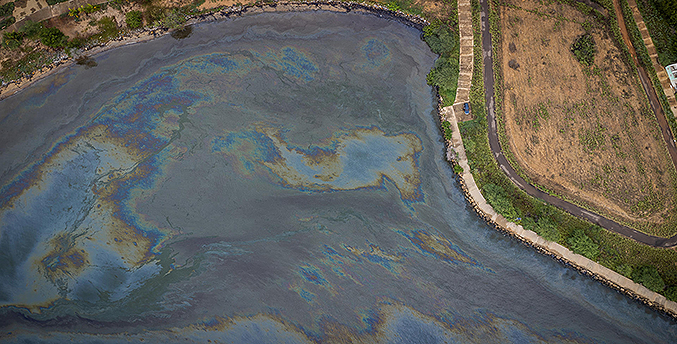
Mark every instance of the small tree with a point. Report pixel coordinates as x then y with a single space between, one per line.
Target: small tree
134 19
53 37
12 39
584 49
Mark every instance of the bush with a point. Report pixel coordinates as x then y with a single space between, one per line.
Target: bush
583 245
649 277
7 9
85 9
446 126
7 22
174 19
75 43
32 29
660 17
498 198
444 75
667 10
625 270
545 227
53 37
12 39
671 293
584 49
108 28
134 19
154 15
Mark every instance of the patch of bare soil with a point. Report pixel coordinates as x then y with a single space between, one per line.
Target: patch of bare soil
584 133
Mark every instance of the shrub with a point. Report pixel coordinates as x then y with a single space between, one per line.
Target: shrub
12 39
649 277
444 75
446 126
500 201
134 19
625 270
32 29
85 9
7 9
174 19
668 10
583 245
154 15
53 37
7 22
584 49
671 293
75 43
108 28
547 228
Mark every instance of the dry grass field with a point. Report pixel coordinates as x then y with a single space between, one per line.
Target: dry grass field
585 133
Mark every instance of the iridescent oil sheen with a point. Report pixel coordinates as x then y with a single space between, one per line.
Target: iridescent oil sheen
275 178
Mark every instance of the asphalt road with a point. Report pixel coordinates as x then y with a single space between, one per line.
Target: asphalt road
530 189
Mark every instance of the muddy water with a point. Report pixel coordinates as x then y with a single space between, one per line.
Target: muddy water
272 178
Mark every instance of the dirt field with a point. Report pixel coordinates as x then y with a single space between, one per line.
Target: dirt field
585 133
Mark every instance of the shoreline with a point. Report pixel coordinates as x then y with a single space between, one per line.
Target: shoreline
62 60
454 150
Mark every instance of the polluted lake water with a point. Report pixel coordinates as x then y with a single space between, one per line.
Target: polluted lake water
270 178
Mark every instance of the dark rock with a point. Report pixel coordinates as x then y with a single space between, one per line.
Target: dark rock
513 64
512 47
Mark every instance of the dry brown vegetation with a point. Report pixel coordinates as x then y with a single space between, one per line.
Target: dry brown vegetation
586 134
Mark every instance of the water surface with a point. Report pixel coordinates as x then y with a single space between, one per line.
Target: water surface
271 178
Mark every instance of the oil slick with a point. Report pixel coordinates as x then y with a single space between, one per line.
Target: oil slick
69 219
363 158
203 202
393 322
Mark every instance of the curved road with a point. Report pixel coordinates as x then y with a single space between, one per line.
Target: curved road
520 182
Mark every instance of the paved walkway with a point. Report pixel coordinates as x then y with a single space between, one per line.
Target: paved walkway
465 65
456 151
653 54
